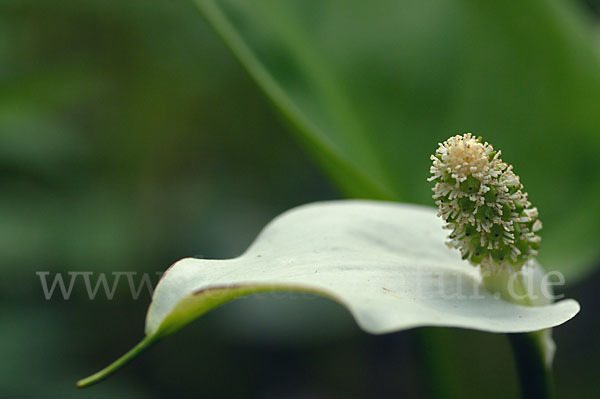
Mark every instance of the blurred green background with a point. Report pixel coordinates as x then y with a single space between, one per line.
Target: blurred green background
130 137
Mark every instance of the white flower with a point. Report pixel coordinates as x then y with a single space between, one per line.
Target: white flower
385 262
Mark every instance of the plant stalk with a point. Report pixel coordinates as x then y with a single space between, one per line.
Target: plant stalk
534 371
533 351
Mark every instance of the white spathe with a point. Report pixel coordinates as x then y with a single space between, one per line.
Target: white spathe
385 262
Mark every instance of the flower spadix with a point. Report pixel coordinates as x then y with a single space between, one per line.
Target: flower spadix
483 204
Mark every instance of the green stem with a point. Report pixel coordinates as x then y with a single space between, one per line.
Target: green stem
533 351
535 373
114 366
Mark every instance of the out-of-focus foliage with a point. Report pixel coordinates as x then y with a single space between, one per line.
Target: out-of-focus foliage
128 138
113 121
373 86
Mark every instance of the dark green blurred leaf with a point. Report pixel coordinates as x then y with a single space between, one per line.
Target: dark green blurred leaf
373 86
